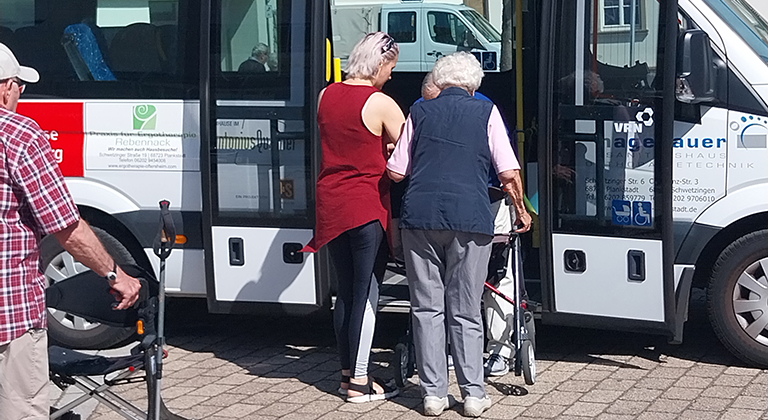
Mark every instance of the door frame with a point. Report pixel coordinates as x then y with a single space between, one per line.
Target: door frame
663 183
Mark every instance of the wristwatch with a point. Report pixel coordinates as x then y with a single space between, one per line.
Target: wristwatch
112 275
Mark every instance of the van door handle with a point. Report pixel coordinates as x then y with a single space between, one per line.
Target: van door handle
436 53
236 251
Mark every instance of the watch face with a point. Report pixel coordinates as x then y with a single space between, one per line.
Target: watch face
111 276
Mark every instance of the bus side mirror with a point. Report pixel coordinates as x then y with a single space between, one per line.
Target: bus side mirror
696 75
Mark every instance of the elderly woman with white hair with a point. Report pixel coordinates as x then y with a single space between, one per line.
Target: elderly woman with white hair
447 147
358 127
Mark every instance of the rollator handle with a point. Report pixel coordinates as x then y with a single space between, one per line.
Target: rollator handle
166 236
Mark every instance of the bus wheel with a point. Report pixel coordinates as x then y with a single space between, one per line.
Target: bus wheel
73 331
737 298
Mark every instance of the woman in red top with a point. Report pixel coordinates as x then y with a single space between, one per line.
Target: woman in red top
358 128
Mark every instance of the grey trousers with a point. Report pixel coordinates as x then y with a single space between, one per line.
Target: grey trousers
446 271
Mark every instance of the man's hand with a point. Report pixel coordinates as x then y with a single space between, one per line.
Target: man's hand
127 289
524 220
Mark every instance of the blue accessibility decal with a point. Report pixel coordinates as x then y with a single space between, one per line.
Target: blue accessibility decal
622 212
641 213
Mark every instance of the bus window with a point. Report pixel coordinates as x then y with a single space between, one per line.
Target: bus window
253 50
106 48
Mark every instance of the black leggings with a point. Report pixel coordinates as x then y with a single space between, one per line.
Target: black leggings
359 256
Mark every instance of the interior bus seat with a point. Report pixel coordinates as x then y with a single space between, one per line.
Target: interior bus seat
88 295
84 53
40 47
8 38
137 49
169 43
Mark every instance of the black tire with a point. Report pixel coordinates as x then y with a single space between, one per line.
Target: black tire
65 329
402 356
528 362
736 298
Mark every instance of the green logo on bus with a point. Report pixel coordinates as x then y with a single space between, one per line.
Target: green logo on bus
144 117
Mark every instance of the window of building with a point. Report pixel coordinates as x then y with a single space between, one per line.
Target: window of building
617 14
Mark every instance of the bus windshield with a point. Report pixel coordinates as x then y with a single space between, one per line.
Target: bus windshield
743 19
486 29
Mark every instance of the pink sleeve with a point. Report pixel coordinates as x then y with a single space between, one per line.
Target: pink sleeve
400 161
502 155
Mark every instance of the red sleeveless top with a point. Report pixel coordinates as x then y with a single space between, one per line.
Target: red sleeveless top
352 188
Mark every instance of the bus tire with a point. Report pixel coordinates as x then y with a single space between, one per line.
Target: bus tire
737 298
65 329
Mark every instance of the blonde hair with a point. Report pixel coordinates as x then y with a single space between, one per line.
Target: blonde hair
458 69
369 53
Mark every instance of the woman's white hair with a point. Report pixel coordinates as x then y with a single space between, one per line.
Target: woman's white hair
458 69
369 53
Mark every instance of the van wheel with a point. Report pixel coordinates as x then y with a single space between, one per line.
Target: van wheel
737 298
72 331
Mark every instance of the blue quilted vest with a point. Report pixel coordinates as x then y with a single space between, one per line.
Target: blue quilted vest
450 159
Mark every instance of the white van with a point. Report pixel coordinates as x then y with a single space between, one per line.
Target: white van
425 30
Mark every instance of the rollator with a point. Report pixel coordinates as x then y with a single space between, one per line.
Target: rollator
89 296
506 247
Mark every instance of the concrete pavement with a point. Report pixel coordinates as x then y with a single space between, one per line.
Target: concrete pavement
250 367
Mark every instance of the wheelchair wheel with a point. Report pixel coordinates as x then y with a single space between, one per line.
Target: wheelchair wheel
403 369
528 362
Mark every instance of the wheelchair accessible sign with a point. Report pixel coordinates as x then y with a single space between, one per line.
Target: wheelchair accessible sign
632 213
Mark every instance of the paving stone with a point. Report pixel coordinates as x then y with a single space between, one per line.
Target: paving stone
668 406
699 415
591 375
200 411
590 409
503 412
277 409
299 416
564 366
734 380
656 415
520 401
601 396
225 400
211 390
320 407
609 416
706 370
239 410
624 407
655 383
641 394
629 374
560 398
693 382
688 394
710 404
735 370
741 414
186 401
751 403
577 386
755 390
721 391
556 376
616 384
547 411
235 379
668 372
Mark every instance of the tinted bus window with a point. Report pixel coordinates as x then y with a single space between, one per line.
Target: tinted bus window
106 48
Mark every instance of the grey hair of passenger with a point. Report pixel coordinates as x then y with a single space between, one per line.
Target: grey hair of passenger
459 69
369 53
428 85
259 49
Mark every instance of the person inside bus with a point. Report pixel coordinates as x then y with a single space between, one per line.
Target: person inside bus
358 126
258 61
447 225
35 202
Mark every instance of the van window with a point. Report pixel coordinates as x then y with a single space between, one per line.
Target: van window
402 26
446 28
486 29
106 48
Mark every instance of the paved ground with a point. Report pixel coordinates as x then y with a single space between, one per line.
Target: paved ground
248 367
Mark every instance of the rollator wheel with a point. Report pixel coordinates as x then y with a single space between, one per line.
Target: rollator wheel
402 364
530 326
528 362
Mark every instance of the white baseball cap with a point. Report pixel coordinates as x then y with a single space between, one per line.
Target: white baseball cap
10 67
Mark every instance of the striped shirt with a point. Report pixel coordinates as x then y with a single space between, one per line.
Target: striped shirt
34 201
